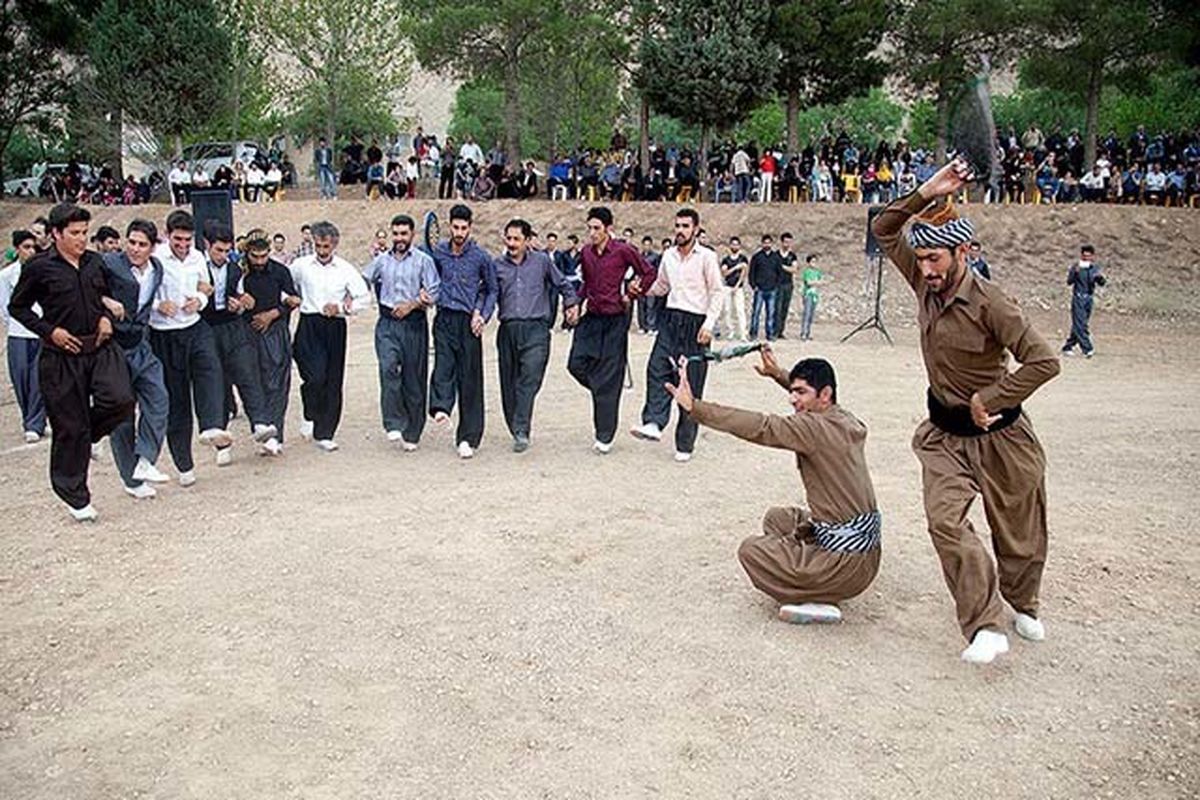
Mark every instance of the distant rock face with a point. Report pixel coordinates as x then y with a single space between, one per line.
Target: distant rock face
426 100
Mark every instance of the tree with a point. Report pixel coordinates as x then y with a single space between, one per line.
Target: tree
939 44
160 63
487 39
827 49
35 35
344 60
1085 45
712 65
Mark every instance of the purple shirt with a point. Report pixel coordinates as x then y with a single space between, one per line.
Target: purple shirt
604 272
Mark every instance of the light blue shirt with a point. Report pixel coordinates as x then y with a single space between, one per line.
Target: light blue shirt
400 280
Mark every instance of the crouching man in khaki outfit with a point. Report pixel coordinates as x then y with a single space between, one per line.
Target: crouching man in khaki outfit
807 559
977 440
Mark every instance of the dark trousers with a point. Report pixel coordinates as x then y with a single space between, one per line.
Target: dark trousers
274 348
146 378
764 302
458 373
192 373
599 351
402 347
446 185
676 337
783 304
320 354
87 397
23 371
239 365
649 309
524 349
1081 313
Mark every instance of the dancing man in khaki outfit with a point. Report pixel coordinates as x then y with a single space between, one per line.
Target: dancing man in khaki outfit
977 440
807 560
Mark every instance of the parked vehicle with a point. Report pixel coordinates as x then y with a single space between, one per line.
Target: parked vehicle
215 154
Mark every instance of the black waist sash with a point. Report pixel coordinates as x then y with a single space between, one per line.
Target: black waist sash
957 420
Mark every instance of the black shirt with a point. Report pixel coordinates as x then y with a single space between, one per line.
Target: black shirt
731 261
267 286
766 270
69 297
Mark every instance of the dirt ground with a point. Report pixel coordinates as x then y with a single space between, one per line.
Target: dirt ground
555 624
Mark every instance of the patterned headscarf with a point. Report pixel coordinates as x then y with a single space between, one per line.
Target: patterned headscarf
940 226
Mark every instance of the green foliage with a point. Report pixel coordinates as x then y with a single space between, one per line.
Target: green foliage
713 63
866 118
828 47
344 59
164 63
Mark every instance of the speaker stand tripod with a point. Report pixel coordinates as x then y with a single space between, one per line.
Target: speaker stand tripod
876 320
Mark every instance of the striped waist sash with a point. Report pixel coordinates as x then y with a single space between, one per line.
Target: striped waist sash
856 535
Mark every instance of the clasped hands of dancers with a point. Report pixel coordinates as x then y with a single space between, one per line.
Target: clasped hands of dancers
153 332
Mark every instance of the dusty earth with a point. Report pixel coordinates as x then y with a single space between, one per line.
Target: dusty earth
374 624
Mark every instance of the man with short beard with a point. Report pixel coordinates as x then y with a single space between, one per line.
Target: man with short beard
82 372
184 344
464 305
977 440
133 278
406 283
269 283
226 314
690 280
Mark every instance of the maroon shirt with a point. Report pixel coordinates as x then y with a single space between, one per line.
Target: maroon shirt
603 274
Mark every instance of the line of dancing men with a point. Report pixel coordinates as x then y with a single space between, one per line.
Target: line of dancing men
137 344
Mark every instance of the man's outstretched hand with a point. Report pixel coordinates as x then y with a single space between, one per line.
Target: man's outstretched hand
683 392
768 367
950 179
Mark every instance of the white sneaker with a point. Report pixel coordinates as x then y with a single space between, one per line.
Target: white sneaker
224 456
86 514
145 471
408 447
272 447
264 432
441 419
217 437
328 445
306 430
395 436
143 491
1030 628
808 613
648 431
187 478
32 437
682 458
603 448
465 450
984 648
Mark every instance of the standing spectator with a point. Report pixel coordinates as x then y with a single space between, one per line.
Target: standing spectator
305 247
470 151
766 172
811 278
787 281
323 164
765 271
742 167
412 173
279 249
735 269
648 306
976 261
1083 278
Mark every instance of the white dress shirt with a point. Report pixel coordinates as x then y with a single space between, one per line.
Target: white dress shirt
181 282
320 284
8 281
692 284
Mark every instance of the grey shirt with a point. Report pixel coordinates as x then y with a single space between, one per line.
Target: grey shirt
400 280
525 288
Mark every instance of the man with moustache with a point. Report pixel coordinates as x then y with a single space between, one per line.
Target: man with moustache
977 440
406 284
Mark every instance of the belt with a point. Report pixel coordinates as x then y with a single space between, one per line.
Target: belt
957 420
856 535
390 313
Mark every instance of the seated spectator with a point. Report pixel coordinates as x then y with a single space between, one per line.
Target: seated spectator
1177 185
200 178
851 185
1131 185
1068 189
725 185
562 174
885 181
412 174
375 176
483 188
180 179
589 178
464 177
395 185
1092 186
254 182
272 181
1156 185
870 185
610 180
237 187
687 179
527 181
